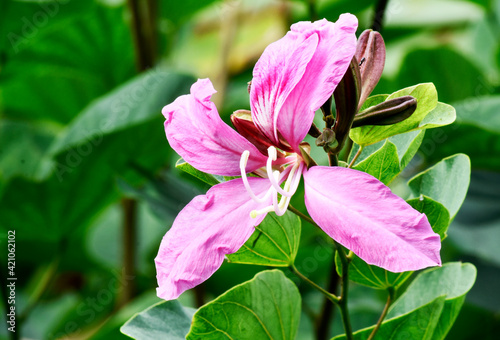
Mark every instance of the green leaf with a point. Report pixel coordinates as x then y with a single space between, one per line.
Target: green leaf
373 100
164 320
382 164
436 213
202 176
137 101
429 306
426 97
417 324
372 276
452 280
65 64
454 75
24 149
446 182
443 114
386 159
275 242
476 133
266 307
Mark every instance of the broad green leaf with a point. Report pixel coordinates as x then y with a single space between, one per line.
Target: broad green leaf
417 324
266 307
476 133
426 97
202 176
446 182
386 159
63 65
23 149
443 114
436 213
137 101
454 75
382 164
372 276
452 280
275 242
372 101
164 320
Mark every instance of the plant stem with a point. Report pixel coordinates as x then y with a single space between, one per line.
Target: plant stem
390 297
378 17
333 159
129 207
355 157
333 298
344 292
300 214
327 311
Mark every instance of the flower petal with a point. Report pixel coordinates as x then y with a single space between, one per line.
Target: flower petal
195 131
208 228
335 49
276 73
362 214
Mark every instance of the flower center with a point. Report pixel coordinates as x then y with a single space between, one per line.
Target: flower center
292 173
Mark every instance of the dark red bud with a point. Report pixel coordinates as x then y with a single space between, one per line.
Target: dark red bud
371 51
387 113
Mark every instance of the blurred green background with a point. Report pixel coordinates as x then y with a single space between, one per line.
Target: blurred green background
88 181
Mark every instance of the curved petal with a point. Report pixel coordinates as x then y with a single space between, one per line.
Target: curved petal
362 214
208 228
195 131
335 49
276 73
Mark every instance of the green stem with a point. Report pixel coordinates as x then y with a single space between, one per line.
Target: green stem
355 157
344 292
333 159
329 295
390 298
302 215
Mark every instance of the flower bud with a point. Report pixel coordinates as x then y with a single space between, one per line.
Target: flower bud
370 51
346 97
327 140
386 113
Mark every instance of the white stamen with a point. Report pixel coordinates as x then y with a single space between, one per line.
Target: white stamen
243 164
272 157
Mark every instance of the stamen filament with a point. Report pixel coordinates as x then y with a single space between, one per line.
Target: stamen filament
243 164
272 157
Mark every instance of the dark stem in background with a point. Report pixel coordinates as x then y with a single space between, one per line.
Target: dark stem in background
313 13
129 208
378 17
344 284
143 26
324 323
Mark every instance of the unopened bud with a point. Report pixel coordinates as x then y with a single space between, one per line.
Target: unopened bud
387 113
370 51
327 140
243 123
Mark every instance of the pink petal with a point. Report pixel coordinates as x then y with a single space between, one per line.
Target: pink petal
195 131
275 75
362 214
336 47
296 75
208 228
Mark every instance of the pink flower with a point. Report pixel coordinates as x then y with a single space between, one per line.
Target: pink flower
291 80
